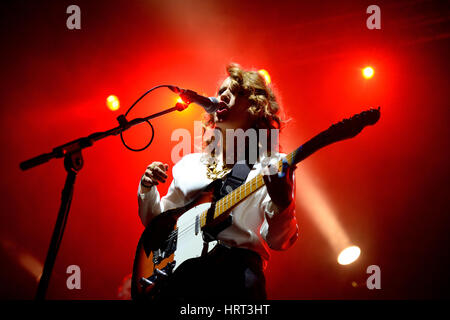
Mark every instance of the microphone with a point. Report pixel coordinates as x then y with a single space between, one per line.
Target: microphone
210 104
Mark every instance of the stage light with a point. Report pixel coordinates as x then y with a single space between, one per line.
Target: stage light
113 103
368 72
265 75
179 100
349 255
180 104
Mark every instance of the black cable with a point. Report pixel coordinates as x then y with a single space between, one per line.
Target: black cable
153 129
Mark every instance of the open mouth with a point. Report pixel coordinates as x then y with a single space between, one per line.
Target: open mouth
222 111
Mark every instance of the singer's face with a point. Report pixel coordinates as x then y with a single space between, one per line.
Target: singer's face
233 112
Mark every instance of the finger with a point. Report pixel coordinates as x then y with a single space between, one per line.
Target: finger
153 181
152 175
148 181
284 168
148 173
159 178
154 164
160 172
162 166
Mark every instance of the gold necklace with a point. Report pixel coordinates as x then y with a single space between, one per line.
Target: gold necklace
213 172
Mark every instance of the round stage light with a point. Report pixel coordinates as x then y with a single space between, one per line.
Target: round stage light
349 255
112 102
368 72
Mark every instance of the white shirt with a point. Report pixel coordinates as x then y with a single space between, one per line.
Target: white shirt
257 223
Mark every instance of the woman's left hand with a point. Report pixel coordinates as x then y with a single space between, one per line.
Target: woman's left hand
280 185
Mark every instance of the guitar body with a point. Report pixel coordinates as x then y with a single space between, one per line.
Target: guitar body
170 239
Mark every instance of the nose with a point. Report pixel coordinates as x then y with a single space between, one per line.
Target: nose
225 97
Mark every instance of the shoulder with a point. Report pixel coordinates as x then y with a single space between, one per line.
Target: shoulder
188 159
189 162
189 173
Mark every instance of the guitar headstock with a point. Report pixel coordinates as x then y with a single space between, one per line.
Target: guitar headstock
348 128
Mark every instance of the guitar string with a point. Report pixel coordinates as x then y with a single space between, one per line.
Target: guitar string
226 201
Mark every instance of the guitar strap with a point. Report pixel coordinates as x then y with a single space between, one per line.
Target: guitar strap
233 180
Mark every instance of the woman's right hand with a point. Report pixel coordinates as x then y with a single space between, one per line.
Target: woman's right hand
154 174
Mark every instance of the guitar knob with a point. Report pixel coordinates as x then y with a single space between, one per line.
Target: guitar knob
161 273
145 282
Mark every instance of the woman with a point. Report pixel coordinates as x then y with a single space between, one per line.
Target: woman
234 269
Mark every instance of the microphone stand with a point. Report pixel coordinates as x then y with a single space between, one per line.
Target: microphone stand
73 163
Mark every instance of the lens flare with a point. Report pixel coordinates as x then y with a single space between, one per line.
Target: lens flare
179 100
265 75
112 102
349 255
368 72
180 104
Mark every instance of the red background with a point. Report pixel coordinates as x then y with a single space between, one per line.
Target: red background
388 186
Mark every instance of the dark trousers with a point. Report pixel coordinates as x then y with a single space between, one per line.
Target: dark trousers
225 273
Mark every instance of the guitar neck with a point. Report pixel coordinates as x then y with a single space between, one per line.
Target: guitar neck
348 128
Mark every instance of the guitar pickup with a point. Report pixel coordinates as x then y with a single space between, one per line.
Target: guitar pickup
197 225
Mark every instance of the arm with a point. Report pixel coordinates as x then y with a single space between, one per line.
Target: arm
150 204
149 201
280 229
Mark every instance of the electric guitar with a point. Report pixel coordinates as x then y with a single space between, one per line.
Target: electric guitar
180 234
